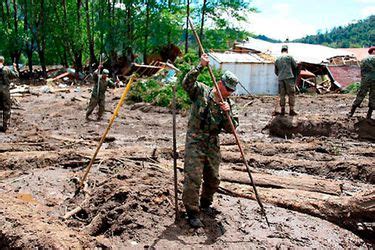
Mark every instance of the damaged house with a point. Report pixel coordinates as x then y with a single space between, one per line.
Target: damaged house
323 69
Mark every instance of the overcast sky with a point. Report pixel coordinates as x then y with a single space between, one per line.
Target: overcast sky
296 18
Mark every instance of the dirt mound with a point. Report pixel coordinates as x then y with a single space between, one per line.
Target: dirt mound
365 129
25 225
132 204
288 127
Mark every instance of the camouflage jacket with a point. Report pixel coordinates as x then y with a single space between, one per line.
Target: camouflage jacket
206 117
5 73
286 67
103 84
368 67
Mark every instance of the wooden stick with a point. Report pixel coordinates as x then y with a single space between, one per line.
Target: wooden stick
73 212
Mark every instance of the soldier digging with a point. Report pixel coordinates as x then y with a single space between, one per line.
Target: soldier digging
202 147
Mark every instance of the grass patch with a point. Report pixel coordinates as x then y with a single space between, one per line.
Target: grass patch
352 88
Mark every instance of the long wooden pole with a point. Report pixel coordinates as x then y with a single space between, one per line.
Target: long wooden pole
115 113
175 154
100 64
232 126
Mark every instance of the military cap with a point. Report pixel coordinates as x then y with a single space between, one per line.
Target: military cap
284 47
105 72
229 80
371 49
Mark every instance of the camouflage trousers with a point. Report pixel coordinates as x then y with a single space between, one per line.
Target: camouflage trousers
202 159
94 101
287 87
5 103
367 85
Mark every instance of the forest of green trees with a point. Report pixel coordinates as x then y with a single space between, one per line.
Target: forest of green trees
356 35
75 32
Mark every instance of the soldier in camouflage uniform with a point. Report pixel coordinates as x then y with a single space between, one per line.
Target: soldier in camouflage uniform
98 93
287 72
5 101
367 84
202 147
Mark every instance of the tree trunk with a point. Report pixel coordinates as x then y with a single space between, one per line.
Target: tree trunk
147 23
16 52
202 23
101 17
129 21
77 47
64 37
15 12
8 13
187 26
170 29
89 36
65 59
28 45
351 212
41 41
3 19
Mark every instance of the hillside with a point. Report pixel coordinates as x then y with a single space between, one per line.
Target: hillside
355 35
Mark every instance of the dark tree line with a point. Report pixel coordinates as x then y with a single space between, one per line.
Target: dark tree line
75 32
356 35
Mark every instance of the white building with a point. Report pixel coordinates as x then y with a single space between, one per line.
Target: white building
255 74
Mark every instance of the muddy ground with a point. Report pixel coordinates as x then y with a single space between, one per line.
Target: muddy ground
317 189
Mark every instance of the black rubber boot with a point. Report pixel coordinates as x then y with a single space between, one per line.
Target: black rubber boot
282 112
292 112
5 126
206 207
194 220
369 113
352 110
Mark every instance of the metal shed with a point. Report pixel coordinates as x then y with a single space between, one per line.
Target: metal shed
256 74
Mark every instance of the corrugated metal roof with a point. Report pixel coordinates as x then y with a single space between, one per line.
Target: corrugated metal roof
301 52
237 58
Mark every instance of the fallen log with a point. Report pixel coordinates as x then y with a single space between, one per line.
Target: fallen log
45 158
356 213
345 168
306 183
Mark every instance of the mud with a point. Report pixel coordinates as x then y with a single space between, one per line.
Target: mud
128 201
289 126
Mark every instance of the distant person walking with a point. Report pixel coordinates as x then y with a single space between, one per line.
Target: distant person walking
367 84
5 101
287 72
98 92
